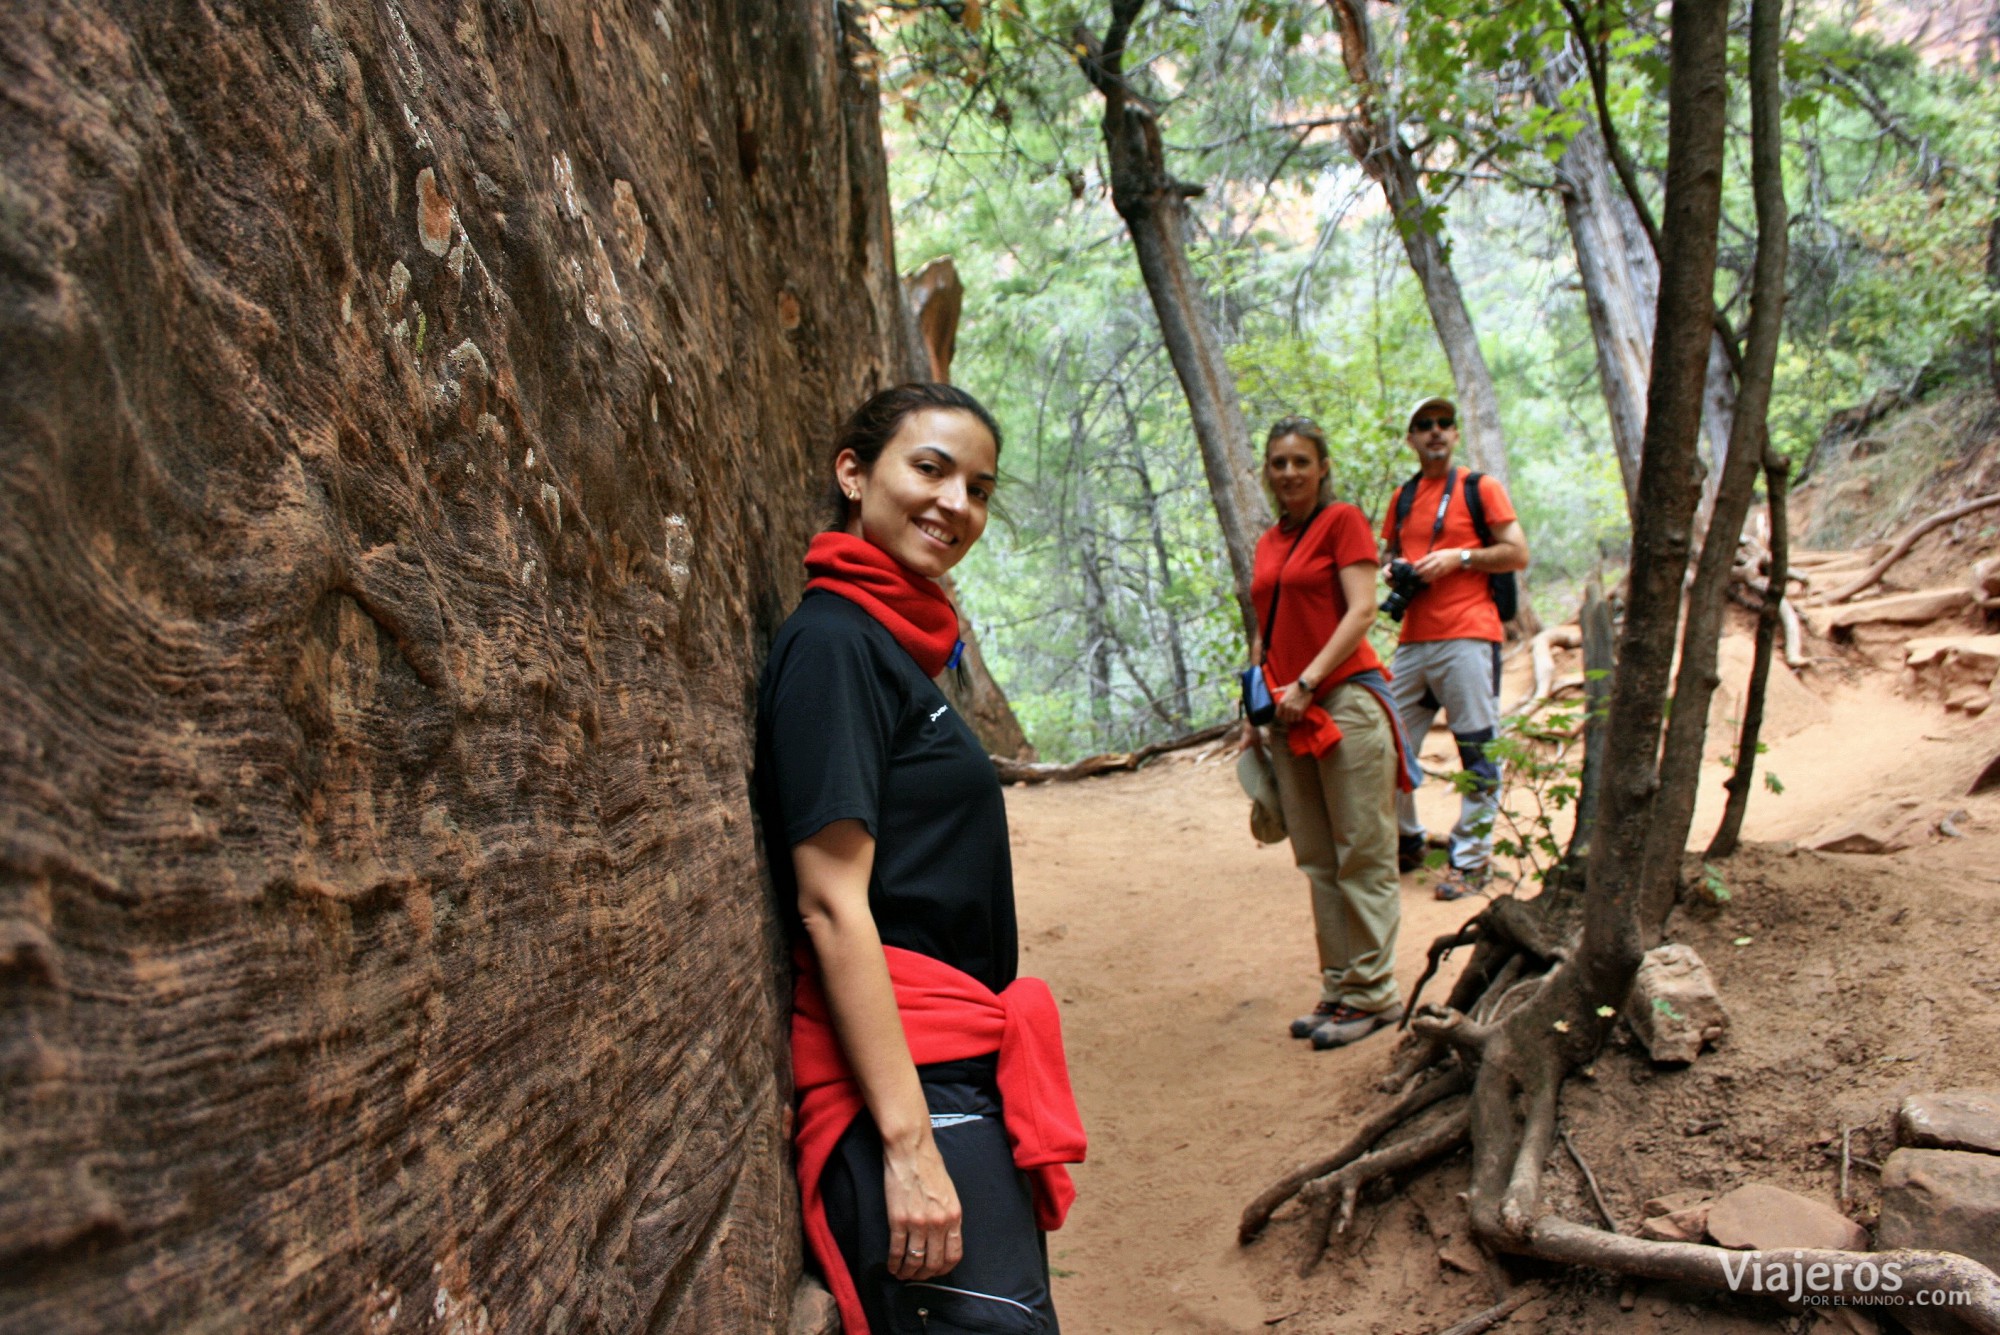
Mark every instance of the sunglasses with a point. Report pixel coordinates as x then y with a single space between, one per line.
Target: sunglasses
1425 423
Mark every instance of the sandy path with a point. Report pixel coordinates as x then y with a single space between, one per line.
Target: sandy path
1180 949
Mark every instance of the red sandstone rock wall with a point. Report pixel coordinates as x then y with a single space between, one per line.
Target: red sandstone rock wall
405 423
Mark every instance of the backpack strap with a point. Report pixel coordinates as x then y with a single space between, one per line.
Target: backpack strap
1406 499
1476 504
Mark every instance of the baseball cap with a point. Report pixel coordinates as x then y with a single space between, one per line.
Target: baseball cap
1423 403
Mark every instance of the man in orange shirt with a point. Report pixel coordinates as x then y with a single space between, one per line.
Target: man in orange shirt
1449 653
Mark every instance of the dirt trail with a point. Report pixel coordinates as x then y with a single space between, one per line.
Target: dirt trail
1180 949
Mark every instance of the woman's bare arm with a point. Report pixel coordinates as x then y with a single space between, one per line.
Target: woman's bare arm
833 867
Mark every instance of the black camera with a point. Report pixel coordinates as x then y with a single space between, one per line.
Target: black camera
1404 584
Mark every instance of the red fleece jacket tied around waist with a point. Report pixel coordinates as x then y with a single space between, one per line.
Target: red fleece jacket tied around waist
948 1015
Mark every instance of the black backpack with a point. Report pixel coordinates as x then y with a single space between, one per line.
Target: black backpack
1506 594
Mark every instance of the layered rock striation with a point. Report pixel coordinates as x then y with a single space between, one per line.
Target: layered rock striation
409 419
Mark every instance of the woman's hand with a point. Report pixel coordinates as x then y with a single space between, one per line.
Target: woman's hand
926 1225
925 1222
1292 705
1246 737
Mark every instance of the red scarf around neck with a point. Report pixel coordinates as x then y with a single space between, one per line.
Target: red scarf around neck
912 607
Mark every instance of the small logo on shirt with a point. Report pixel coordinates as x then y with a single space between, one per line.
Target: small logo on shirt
939 710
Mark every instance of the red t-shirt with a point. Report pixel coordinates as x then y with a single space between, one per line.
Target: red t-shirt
1313 603
1459 606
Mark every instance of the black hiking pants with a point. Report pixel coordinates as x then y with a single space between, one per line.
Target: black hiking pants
1001 1287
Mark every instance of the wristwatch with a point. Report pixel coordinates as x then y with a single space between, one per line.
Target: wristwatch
1465 558
1308 683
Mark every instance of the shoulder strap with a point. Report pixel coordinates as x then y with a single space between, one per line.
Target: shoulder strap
1476 503
1405 500
1278 586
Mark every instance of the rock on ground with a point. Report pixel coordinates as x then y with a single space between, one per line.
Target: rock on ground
1678 1216
409 423
1760 1217
1947 1200
1960 1119
1674 1008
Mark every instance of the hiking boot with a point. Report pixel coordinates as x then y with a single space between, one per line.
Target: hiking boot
1303 1026
1461 884
1410 852
1345 1024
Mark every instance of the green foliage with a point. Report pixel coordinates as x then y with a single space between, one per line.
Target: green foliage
1103 596
1542 777
1891 173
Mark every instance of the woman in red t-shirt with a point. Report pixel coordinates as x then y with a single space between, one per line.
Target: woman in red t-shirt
1335 746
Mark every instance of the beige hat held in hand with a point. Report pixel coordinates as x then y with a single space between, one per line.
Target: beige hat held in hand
1260 783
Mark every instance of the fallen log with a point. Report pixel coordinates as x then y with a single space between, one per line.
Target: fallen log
1904 543
1109 762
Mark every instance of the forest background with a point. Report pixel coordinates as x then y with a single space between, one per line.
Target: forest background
1103 595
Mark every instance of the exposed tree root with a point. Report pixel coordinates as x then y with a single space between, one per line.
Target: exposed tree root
1555 1239
1331 1199
1903 546
1480 1322
1441 947
1385 1119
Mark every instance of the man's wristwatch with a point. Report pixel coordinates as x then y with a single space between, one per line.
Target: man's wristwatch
1465 558
1308 683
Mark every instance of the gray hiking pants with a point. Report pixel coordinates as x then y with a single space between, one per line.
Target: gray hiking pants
1462 677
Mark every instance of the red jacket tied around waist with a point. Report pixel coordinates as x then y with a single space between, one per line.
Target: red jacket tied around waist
948 1015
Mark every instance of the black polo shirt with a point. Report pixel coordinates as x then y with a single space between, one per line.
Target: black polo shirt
848 727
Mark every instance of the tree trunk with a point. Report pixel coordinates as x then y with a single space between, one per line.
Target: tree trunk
1621 279
1377 144
1694 687
409 428
1614 933
1742 780
1170 626
1154 207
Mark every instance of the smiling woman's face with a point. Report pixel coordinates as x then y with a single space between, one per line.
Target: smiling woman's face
924 499
1294 469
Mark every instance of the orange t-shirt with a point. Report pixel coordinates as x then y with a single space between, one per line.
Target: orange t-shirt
1459 606
1313 603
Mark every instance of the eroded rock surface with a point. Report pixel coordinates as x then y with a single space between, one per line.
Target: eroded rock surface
405 426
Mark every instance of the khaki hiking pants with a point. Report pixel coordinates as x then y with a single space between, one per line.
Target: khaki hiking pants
1341 814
